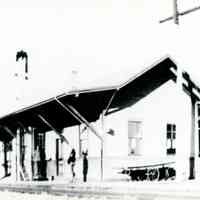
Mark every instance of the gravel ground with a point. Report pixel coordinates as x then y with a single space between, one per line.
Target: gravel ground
165 190
19 196
24 196
44 196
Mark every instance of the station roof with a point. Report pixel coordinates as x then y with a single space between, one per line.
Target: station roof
90 103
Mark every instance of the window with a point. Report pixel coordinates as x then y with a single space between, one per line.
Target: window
39 140
134 137
171 137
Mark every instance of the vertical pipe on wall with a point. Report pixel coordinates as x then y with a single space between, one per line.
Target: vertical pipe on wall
181 157
192 141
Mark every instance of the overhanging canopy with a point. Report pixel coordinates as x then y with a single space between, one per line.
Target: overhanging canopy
89 103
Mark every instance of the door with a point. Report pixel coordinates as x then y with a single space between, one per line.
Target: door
40 158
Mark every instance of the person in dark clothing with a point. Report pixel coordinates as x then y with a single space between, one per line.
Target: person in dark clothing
72 161
85 166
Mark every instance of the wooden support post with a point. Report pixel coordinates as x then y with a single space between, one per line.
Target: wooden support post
103 126
5 158
13 160
32 153
62 157
18 155
103 144
192 141
101 160
79 141
57 157
27 154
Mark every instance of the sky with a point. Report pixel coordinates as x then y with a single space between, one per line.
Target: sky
104 41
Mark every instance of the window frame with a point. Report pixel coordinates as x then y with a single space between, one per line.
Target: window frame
171 138
137 138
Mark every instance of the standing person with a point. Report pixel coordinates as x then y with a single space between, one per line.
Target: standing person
85 166
36 162
71 161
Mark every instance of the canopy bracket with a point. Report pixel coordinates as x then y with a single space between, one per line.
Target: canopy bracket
78 116
110 101
24 127
53 128
8 131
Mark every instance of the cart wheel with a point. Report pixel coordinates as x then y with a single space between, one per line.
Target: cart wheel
166 173
153 174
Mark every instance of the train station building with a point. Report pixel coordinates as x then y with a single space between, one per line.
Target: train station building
152 118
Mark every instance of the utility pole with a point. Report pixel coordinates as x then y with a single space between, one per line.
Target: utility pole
176 14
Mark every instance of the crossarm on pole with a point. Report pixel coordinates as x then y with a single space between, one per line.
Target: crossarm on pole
180 14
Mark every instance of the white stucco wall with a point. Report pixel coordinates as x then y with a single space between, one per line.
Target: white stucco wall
162 106
155 111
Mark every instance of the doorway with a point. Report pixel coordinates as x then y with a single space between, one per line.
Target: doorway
39 157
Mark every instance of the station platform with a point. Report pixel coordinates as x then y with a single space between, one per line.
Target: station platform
183 189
